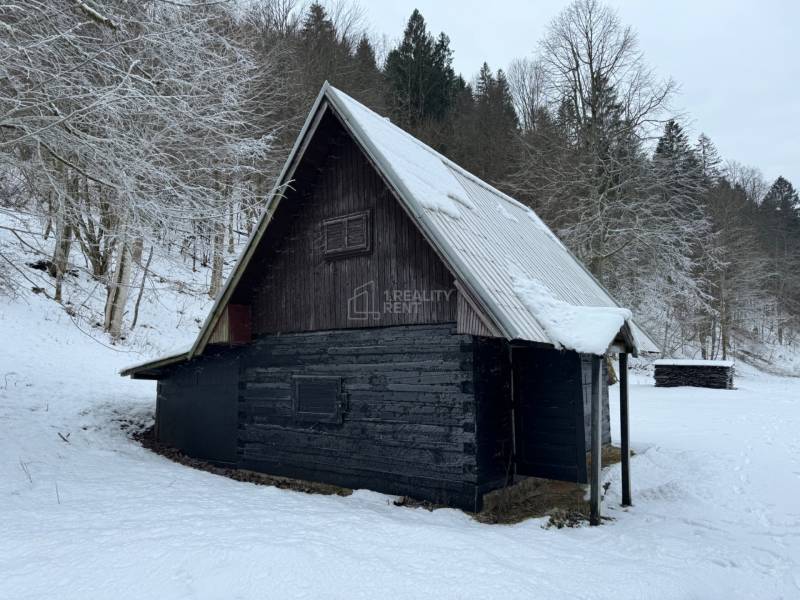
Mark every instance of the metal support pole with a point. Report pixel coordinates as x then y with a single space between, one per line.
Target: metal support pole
597 442
624 429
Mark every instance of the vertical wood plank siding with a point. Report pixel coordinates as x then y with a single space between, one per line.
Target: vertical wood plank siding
294 287
221 333
586 372
408 426
469 321
233 326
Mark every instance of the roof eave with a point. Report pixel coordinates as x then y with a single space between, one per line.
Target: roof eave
143 371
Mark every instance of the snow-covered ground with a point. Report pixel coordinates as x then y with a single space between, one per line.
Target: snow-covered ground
716 486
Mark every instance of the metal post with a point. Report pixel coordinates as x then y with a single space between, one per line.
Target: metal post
624 429
512 472
597 442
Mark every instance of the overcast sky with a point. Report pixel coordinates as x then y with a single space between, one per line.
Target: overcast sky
736 62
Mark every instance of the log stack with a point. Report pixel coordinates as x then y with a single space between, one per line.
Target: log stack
697 373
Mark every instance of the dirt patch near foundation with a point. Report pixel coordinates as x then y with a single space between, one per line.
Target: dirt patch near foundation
530 498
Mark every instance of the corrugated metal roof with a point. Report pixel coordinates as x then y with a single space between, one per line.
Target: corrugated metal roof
483 232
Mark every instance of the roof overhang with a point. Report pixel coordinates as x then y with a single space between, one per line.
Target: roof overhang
153 369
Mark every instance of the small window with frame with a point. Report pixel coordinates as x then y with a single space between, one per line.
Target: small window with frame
317 398
347 235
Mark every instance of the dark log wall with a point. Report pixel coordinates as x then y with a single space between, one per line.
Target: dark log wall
552 390
293 286
548 410
409 422
494 438
197 407
425 411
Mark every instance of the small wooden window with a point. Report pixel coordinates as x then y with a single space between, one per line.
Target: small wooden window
349 234
318 398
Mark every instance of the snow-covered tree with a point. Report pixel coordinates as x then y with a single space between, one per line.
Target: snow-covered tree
122 141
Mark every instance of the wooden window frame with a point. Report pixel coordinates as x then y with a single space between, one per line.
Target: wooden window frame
345 251
339 403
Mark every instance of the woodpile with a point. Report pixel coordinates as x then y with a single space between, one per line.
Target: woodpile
697 373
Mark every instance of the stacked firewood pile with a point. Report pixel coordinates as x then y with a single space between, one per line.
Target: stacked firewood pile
696 373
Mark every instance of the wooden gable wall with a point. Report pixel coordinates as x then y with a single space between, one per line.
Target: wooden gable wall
292 286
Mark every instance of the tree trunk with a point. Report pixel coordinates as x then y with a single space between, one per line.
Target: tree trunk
231 247
63 243
216 261
141 289
118 291
137 250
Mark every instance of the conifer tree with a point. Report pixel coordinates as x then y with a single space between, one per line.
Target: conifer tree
495 125
709 158
779 214
419 75
367 83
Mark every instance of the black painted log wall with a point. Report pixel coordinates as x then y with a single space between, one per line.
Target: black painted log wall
548 414
196 407
409 426
493 433
426 411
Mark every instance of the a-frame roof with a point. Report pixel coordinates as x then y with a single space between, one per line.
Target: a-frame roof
516 272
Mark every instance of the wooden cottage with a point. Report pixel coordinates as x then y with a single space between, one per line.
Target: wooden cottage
397 324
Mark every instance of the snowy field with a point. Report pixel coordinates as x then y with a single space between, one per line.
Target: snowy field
716 486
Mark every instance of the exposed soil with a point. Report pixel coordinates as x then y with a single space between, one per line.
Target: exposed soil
564 502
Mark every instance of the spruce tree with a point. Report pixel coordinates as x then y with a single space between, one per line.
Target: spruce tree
495 125
782 199
709 158
779 214
419 75
366 83
677 165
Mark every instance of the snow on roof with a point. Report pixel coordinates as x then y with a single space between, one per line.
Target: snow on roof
420 168
587 329
690 362
482 236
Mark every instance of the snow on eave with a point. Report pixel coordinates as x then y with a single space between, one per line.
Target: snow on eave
584 329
